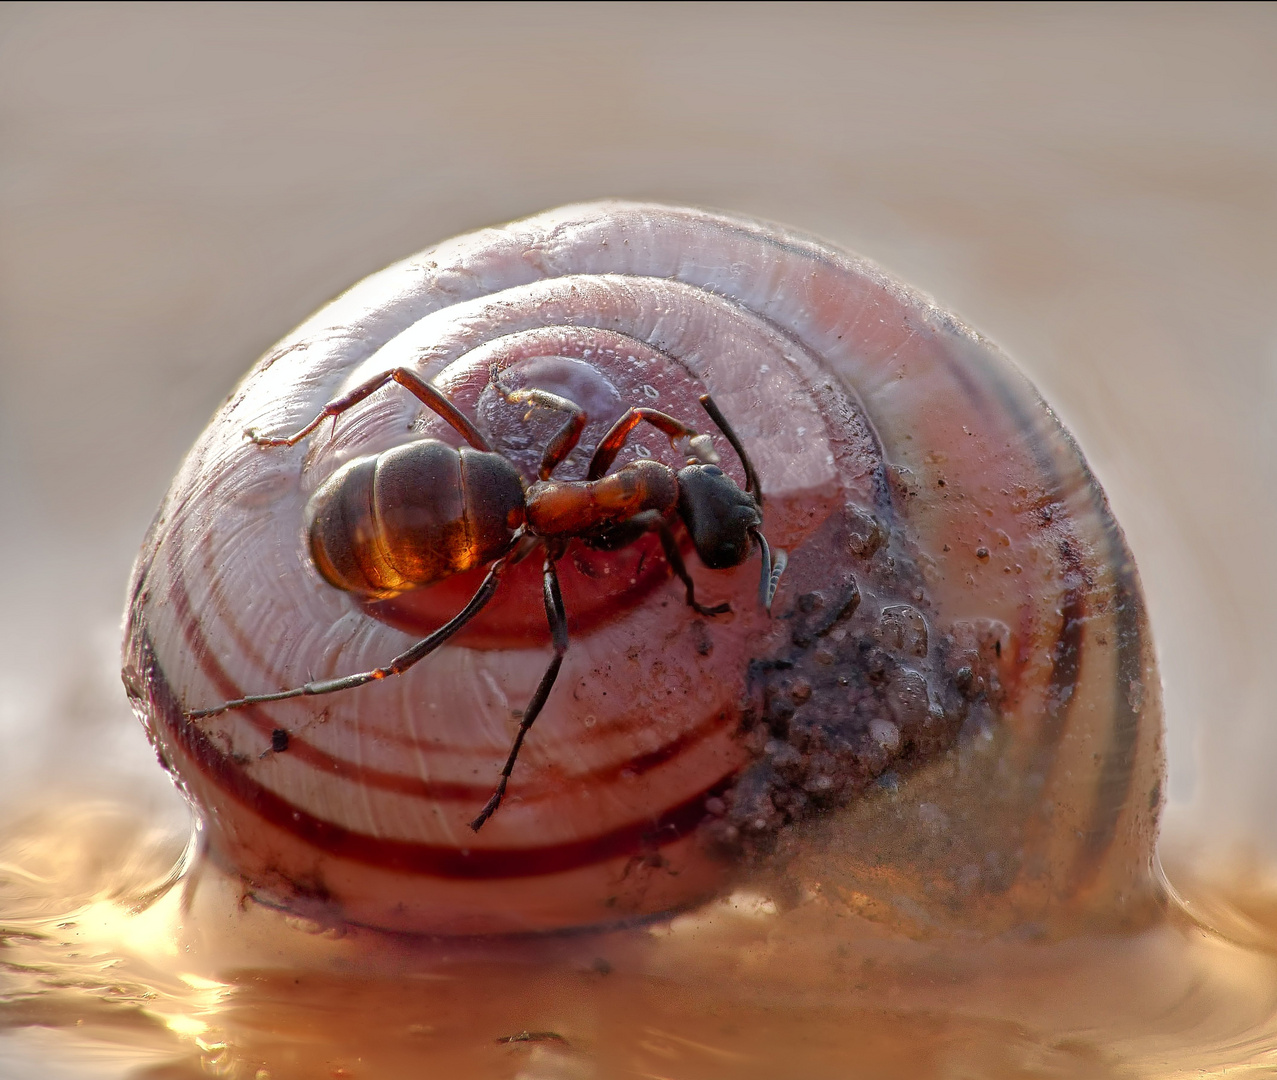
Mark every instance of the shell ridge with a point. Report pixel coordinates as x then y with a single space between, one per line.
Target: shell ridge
988 526
400 855
261 720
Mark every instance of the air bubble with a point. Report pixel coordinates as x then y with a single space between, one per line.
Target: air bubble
904 629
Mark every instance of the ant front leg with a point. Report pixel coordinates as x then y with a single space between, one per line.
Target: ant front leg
611 443
410 381
559 635
654 521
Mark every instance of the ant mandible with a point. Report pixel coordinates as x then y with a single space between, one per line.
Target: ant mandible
423 511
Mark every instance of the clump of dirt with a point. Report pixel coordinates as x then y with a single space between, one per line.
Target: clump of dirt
868 686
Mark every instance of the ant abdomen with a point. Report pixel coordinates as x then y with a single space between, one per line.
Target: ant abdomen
412 516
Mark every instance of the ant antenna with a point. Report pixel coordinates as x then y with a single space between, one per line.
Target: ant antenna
773 567
751 478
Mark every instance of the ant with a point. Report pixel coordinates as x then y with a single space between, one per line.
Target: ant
416 514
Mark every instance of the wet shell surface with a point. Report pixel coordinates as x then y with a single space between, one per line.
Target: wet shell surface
950 715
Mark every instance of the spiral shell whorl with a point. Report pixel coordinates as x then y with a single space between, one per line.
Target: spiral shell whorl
877 424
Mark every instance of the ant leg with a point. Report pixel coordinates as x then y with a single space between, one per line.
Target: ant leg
656 523
559 635
569 434
611 443
751 478
397 666
410 381
773 567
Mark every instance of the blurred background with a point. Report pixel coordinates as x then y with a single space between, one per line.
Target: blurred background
1093 187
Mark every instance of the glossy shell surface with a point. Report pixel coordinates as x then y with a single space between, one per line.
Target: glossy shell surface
952 709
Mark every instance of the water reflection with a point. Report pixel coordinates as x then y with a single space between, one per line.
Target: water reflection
145 972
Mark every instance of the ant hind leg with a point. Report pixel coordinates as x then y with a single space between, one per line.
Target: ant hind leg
410 381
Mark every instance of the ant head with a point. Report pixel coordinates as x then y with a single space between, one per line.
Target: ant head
720 518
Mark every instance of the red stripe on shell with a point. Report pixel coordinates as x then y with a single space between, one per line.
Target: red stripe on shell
408 857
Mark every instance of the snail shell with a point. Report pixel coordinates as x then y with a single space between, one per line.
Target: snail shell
954 696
